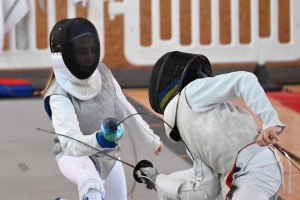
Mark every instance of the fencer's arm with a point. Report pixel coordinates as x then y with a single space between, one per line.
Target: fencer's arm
64 120
204 94
135 124
205 186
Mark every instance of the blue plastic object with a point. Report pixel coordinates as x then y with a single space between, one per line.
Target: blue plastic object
111 130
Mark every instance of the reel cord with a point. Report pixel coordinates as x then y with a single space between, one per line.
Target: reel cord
135 157
292 155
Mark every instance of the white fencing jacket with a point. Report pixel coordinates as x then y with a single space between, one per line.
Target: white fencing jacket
214 130
81 119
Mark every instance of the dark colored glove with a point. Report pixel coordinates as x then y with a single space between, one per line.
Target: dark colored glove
150 177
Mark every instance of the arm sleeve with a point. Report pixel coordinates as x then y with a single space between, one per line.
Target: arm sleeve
205 94
64 120
135 124
205 186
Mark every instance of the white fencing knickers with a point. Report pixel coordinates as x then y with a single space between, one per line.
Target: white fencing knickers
260 178
82 172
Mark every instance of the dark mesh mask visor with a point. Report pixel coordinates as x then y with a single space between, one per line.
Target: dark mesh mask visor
171 73
66 33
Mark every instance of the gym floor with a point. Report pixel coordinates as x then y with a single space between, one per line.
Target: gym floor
28 170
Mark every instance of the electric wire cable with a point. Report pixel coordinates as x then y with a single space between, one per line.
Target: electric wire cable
281 150
135 158
130 165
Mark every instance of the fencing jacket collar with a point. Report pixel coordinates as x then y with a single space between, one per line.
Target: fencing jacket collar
81 89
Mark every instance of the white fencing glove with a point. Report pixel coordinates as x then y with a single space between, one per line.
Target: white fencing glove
148 177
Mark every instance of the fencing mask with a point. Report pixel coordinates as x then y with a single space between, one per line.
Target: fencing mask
75 54
171 73
78 42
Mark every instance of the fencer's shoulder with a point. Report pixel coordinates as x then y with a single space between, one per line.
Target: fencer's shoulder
239 74
237 77
55 89
103 68
106 74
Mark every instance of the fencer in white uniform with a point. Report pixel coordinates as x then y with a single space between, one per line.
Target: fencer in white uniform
230 154
82 95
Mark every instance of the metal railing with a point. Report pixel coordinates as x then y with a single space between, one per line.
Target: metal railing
259 49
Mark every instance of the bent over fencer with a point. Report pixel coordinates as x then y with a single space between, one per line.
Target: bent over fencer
228 150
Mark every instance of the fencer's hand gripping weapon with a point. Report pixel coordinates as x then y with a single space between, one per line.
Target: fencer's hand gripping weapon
148 175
